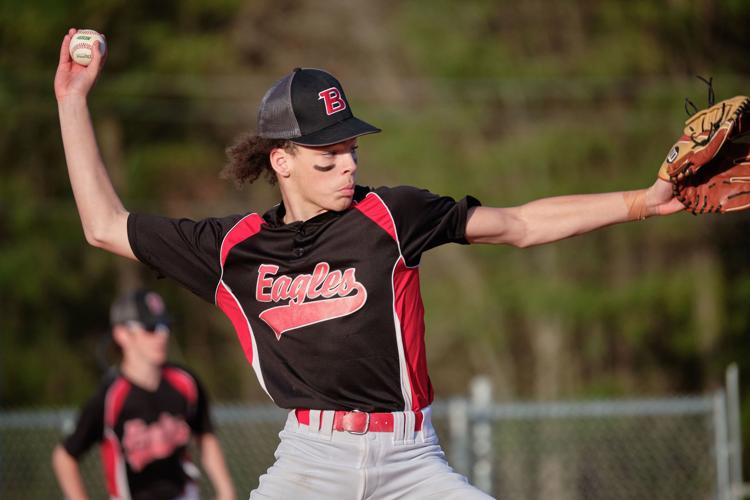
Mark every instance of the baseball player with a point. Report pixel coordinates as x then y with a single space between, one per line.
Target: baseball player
143 415
323 288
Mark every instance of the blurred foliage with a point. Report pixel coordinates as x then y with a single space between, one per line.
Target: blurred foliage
507 101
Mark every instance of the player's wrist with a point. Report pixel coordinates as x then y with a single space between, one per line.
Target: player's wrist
71 100
225 493
638 208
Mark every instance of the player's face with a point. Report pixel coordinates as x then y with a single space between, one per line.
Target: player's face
150 344
324 176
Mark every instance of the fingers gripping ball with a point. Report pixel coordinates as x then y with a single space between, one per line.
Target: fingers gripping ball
82 46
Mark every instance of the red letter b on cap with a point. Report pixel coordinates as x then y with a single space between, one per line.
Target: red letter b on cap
332 98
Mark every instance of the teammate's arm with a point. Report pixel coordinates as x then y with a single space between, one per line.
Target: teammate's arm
552 219
213 463
68 474
102 214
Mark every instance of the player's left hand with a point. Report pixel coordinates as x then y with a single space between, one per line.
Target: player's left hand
660 199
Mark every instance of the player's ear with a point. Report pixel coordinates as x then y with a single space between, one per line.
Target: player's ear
279 159
120 335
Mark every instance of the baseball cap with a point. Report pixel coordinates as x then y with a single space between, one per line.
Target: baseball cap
144 306
308 106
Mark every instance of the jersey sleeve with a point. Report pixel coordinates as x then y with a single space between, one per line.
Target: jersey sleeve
89 428
425 220
182 249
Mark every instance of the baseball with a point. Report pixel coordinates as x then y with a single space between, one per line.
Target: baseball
82 46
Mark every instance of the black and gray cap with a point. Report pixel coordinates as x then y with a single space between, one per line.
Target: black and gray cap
143 306
308 107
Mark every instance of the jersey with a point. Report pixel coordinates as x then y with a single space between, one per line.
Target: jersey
143 434
328 311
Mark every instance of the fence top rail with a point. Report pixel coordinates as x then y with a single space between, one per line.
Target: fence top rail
35 419
228 413
247 412
688 405
56 418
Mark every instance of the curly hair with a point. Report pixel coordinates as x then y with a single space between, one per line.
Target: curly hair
249 159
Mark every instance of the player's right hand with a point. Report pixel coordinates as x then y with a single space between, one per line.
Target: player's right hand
71 78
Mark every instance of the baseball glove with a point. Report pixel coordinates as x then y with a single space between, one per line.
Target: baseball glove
721 185
709 165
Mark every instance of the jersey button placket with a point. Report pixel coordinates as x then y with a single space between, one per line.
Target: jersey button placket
299 251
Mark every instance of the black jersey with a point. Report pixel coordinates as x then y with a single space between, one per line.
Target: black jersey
329 310
143 434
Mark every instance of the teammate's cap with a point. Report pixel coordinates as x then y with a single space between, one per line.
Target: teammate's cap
144 306
308 107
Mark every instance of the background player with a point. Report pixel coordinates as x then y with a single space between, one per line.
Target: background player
323 289
144 415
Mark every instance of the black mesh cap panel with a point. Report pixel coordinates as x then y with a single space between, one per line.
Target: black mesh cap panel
276 118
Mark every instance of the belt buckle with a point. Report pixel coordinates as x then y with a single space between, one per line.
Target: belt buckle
367 424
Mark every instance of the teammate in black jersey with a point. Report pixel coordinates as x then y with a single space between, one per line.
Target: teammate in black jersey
143 416
323 289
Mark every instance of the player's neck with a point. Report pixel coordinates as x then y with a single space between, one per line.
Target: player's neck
297 209
141 373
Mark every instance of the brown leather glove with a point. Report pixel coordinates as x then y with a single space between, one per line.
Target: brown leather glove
709 165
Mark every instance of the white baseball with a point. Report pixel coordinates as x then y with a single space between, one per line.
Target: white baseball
82 46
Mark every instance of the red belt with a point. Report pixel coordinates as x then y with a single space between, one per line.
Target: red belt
357 422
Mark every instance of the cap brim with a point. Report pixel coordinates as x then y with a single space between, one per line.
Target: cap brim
338 132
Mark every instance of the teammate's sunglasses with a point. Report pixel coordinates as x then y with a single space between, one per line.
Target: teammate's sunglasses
150 328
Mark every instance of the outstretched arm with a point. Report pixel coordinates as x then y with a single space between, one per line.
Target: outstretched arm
102 214
552 219
215 466
68 474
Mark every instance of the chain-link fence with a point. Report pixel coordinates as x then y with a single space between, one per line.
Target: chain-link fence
598 451
646 449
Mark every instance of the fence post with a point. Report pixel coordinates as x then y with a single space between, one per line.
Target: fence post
722 453
734 431
481 406
458 424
